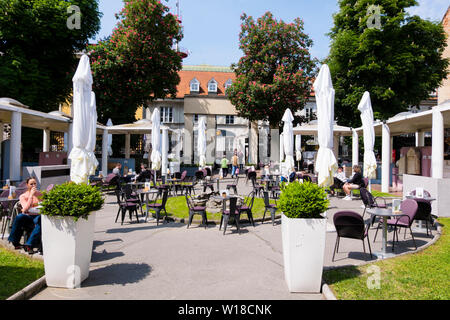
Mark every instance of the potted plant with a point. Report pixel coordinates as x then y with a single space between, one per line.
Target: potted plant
303 235
68 220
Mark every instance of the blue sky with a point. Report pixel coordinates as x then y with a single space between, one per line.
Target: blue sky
212 27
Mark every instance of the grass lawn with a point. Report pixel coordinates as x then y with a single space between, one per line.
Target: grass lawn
17 272
177 207
420 276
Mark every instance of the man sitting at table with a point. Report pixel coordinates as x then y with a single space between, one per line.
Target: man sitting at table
27 221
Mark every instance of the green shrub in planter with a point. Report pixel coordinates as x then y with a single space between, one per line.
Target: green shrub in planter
303 200
73 200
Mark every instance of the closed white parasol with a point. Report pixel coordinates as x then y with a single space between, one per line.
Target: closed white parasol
326 165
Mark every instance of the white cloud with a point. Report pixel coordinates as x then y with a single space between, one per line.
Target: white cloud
430 9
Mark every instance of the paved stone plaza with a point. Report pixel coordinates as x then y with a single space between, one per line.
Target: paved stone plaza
169 261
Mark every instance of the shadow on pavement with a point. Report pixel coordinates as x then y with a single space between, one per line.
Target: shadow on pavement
121 273
104 255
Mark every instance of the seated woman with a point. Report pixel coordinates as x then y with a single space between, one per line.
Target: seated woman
355 182
27 221
339 180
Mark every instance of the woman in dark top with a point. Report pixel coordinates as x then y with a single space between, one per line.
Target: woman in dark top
355 182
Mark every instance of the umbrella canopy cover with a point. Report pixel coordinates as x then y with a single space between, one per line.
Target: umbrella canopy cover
156 140
326 165
82 87
288 139
93 162
370 162
202 142
110 151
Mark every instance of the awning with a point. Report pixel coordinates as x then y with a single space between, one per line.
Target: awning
32 118
412 122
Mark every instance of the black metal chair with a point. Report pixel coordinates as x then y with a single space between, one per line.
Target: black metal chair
424 214
370 201
269 207
350 224
188 185
233 185
158 207
125 206
248 206
131 197
193 210
233 212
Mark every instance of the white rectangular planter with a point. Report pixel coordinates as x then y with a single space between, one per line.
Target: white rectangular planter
67 246
303 253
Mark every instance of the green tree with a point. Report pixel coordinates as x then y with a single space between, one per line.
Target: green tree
399 61
37 48
274 72
138 62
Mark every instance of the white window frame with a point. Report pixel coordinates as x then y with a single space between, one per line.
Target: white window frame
228 84
166 114
230 119
212 83
194 85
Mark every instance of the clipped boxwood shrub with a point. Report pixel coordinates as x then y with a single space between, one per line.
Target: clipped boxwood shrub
303 200
72 200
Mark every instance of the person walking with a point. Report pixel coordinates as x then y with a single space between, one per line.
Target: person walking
234 163
224 165
241 161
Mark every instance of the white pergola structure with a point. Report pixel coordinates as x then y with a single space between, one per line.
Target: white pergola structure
433 121
143 126
19 115
310 129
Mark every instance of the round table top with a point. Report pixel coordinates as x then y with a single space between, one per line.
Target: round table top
418 198
142 191
382 212
7 199
136 183
221 198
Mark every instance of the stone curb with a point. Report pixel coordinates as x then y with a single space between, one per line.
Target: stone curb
30 290
328 293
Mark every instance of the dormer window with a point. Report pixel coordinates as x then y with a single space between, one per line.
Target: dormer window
228 84
212 86
195 85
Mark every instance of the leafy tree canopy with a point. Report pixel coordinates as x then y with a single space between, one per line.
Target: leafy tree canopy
274 73
37 48
399 61
138 62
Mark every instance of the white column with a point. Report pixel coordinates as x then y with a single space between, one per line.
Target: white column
355 147
164 151
420 139
281 148
105 153
46 141
179 146
15 146
386 156
437 158
127 145
69 142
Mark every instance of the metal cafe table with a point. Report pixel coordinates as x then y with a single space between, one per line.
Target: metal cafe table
147 193
385 214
